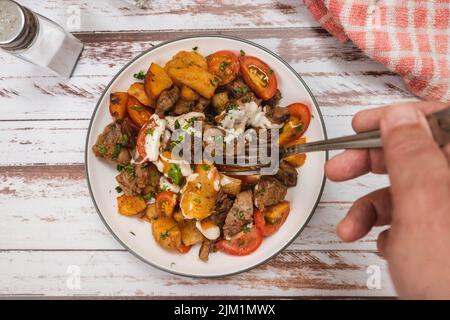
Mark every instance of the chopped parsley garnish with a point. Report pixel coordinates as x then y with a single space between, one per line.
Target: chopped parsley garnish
164 235
177 124
116 151
130 170
206 167
246 228
241 214
223 65
140 75
125 139
241 90
118 189
165 187
242 52
120 167
299 127
176 142
232 106
190 123
270 71
148 196
137 108
102 149
175 173
213 82
194 48
150 131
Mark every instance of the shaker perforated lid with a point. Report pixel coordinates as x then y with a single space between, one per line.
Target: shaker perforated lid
18 26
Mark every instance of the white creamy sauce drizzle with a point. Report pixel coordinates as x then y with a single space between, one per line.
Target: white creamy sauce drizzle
153 140
248 114
183 122
211 233
184 166
164 184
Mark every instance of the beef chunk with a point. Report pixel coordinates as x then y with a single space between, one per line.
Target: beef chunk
287 174
275 100
116 142
139 179
205 249
248 97
237 88
167 100
277 115
269 191
223 205
239 215
201 105
182 107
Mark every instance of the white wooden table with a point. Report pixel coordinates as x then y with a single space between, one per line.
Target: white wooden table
48 222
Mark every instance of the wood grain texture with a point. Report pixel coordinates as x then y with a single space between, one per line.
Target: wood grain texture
48 207
48 219
342 79
114 15
118 273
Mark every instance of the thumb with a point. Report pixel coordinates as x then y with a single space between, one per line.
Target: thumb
411 154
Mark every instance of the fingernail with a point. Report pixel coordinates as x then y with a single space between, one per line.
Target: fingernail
399 116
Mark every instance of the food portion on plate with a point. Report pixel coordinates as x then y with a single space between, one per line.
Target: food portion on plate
194 204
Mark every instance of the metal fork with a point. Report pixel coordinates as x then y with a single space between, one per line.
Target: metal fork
439 123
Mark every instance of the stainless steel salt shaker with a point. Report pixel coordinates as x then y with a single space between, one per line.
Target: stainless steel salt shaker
37 39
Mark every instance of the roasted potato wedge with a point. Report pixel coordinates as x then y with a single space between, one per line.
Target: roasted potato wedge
185 59
118 105
219 101
166 233
190 234
130 205
199 195
137 90
299 159
138 113
151 212
196 78
230 185
156 81
188 94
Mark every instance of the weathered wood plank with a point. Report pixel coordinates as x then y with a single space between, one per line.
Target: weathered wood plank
340 76
113 15
49 208
118 273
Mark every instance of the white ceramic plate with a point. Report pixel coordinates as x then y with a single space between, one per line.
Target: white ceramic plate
135 235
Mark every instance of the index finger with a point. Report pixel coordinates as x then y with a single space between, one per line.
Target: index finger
367 120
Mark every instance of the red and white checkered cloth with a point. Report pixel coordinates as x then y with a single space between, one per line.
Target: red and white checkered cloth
410 37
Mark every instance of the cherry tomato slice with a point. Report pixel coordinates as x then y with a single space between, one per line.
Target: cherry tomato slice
140 142
298 123
138 113
223 64
241 244
299 159
165 203
259 77
271 218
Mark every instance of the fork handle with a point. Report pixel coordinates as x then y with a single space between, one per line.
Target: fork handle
369 139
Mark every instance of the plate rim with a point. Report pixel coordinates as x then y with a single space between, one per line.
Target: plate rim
94 113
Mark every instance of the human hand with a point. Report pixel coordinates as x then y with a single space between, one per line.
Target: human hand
416 205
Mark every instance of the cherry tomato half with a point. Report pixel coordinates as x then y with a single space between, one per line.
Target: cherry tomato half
298 123
259 77
223 64
165 203
138 113
140 142
271 218
241 244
